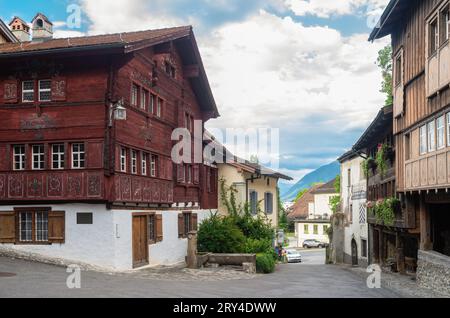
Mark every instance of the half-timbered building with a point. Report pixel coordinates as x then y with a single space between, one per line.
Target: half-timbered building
420 32
86 172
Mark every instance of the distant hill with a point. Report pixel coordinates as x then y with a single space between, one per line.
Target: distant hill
323 174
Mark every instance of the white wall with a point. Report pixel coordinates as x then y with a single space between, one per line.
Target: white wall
107 243
322 204
322 236
354 229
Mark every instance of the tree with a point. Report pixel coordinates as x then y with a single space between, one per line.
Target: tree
283 222
384 61
336 200
300 195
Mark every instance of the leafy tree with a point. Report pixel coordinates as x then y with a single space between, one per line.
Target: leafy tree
384 61
283 222
300 195
336 200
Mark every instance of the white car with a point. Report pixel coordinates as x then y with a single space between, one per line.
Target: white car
293 256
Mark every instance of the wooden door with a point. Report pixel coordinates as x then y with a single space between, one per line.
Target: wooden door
140 241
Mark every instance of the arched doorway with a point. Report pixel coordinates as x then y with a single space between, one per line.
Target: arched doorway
354 253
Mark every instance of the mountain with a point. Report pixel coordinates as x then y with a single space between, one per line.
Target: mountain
323 174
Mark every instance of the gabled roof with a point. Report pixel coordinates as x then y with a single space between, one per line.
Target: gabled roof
327 188
392 15
349 155
17 18
6 33
379 126
42 16
122 43
300 209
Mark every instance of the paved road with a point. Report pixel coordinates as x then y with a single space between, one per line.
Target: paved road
291 281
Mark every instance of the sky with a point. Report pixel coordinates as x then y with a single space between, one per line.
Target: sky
303 66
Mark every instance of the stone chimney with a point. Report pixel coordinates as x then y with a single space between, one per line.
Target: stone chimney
20 29
42 28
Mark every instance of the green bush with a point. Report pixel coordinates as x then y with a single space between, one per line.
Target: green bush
256 228
253 246
220 235
265 263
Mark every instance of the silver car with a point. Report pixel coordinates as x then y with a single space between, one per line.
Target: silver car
293 256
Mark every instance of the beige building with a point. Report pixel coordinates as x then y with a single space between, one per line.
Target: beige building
5 34
252 184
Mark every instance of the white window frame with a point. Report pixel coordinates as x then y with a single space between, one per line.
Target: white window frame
431 133
144 163
152 102
79 163
159 107
19 157
143 101
60 156
134 94
447 23
25 91
423 137
44 90
38 157
448 129
153 163
134 162
123 160
440 132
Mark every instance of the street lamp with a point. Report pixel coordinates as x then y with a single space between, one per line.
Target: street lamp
117 111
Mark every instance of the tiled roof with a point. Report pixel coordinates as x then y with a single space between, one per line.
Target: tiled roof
327 188
300 209
6 32
127 40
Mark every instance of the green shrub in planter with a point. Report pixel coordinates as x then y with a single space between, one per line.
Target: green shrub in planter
265 263
220 235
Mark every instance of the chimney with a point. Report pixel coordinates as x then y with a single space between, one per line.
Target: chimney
42 28
20 29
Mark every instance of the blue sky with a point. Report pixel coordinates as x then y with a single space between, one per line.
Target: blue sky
303 66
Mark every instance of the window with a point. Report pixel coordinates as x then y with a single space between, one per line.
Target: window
28 91
134 95
85 218
407 146
423 140
364 248
58 155
36 222
153 165
143 101
187 222
170 69
38 157
316 229
189 174
123 160
448 129
306 229
398 70
254 202
152 103
78 156
434 36
268 203
159 107
45 90
151 229
445 24
325 229
431 136
133 162
349 178
144 164
19 157
440 128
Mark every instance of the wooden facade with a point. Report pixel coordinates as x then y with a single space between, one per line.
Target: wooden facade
160 79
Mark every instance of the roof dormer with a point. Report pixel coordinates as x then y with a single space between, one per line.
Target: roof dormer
42 28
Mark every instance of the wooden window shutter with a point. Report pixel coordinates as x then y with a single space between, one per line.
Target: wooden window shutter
194 222
181 225
10 91
159 227
196 174
59 89
7 227
56 227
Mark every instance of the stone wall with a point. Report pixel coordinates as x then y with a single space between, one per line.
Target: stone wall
433 271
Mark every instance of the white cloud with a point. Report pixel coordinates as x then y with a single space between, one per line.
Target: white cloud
327 8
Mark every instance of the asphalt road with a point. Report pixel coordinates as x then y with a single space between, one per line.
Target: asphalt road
307 280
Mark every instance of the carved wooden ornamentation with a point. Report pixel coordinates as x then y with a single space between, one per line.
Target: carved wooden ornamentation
58 89
94 186
125 185
35 186
2 186
16 186
137 190
75 186
10 92
55 185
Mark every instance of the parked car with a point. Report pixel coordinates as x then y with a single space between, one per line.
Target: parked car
314 244
293 256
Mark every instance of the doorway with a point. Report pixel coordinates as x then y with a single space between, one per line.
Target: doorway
140 241
440 228
354 253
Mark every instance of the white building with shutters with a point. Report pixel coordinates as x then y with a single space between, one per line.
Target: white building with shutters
354 199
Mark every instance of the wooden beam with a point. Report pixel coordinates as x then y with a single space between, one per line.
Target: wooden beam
164 48
191 71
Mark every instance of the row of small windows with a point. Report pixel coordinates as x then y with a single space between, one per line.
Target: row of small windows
142 98
315 229
432 135
268 202
148 162
58 156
